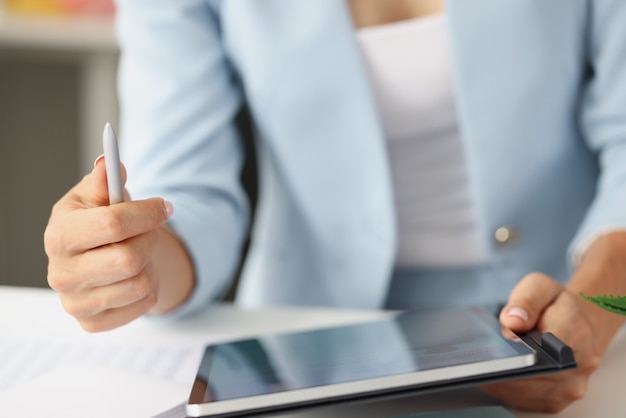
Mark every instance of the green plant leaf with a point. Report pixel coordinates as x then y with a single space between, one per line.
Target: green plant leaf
615 304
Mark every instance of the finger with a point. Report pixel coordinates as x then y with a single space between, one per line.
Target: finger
95 301
106 225
115 318
99 170
92 190
534 293
567 321
98 193
104 265
509 335
549 394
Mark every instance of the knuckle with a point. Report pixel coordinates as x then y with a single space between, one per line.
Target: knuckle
53 241
104 321
535 275
58 281
129 262
56 209
543 282
55 233
572 390
576 391
111 224
589 364
142 286
54 280
150 300
536 278
73 308
158 211
92 325
81 306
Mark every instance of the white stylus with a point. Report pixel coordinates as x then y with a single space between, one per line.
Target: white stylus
112 165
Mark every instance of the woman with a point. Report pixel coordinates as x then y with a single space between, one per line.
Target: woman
518 115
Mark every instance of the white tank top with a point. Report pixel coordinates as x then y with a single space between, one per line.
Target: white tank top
410 71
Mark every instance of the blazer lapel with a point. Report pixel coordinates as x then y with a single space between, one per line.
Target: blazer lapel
304 79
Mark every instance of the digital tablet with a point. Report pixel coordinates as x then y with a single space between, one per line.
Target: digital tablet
410 350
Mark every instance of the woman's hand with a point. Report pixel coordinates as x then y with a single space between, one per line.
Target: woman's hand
540 302
101 256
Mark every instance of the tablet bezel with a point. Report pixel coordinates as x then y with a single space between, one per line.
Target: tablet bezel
387 385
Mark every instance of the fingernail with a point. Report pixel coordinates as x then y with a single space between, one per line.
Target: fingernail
169 208
100 157
519 313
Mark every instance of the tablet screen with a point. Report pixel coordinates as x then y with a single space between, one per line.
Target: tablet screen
395 353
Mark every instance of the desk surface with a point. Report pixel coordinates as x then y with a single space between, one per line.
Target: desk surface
36 313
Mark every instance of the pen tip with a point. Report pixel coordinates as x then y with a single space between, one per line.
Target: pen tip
108 130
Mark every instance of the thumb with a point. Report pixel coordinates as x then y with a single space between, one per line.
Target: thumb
95 190
532 295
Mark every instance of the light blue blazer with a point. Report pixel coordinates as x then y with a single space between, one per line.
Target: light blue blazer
541 92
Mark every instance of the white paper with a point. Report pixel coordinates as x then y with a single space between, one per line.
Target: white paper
23 360
117 374
88 390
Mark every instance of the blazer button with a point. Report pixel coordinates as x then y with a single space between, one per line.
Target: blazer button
505 235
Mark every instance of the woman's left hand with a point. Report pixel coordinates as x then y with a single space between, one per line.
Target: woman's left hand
540 302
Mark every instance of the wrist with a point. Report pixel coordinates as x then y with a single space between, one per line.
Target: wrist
173 270
602 271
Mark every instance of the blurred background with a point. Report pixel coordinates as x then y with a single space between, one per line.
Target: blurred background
58 61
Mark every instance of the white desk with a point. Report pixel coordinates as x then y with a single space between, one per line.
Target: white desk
37 314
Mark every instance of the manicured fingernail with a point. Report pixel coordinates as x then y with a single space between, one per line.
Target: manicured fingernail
100 157
169 208
519 313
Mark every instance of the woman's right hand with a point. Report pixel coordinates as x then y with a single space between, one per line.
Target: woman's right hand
100 257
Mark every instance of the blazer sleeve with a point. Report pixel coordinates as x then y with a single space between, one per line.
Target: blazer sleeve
179 98
604 119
